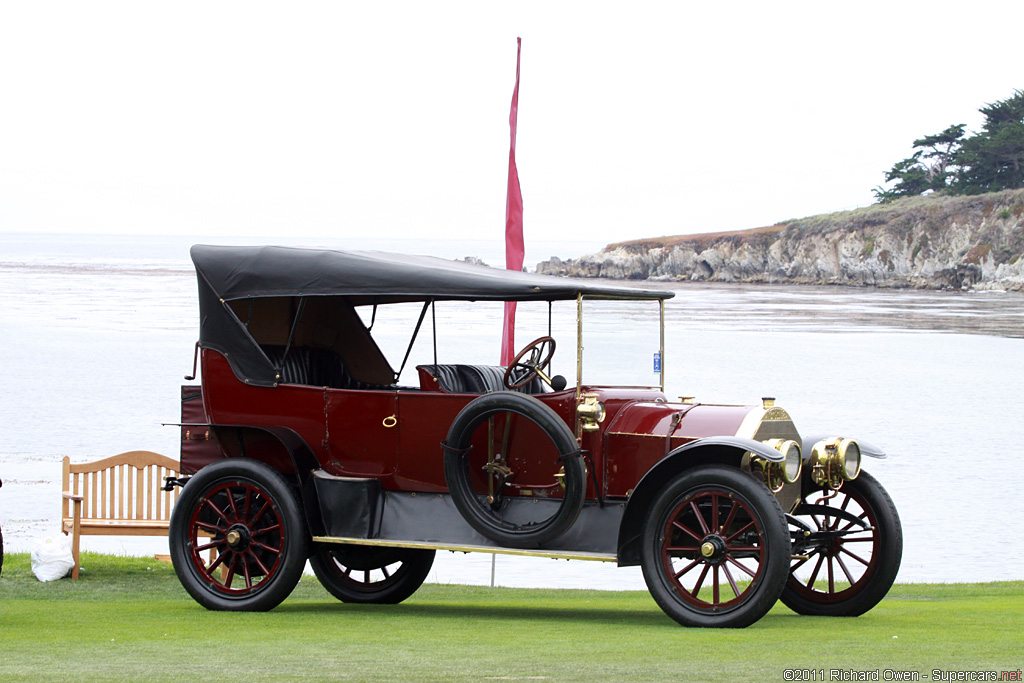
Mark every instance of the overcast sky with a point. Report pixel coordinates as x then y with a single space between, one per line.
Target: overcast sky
391 119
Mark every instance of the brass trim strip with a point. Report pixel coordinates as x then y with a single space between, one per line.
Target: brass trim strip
553 554
653 436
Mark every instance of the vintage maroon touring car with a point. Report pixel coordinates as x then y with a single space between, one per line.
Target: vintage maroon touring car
301 444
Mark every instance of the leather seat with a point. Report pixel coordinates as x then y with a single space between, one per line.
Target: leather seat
314 367
477 379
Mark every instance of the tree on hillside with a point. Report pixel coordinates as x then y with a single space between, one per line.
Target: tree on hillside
927 169
988 161
994 159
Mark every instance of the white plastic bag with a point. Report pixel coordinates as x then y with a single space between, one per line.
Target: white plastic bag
51 558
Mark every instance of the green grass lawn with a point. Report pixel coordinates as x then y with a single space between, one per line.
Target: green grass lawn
129 619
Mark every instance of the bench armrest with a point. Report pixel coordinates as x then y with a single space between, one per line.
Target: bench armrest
70 496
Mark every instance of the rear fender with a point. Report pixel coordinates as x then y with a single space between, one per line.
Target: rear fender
720 450
301 458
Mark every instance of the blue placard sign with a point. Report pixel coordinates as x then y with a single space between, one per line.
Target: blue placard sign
657 362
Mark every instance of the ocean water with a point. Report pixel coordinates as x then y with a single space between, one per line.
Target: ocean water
99 331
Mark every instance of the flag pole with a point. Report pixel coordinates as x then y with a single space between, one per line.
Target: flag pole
514 248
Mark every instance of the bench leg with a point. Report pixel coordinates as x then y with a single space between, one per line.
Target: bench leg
76 532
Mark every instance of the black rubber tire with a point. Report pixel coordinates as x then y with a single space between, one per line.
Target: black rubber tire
476 511
264 510
334 568
749 508
886 548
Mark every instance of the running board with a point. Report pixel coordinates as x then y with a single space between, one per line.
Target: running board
494 550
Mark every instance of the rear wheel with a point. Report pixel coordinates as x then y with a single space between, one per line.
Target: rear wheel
366 574
842 567
715 548
237 537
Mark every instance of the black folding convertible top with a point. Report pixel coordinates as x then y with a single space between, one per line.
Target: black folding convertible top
377 277
230 274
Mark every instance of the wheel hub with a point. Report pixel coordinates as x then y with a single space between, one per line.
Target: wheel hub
713 548
238 537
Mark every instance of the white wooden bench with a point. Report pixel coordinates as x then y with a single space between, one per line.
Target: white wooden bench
118 496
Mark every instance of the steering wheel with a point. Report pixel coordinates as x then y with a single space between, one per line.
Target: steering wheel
521 372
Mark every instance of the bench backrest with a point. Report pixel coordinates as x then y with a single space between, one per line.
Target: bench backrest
122 487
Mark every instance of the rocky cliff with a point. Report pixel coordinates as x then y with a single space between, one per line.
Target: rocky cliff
934 242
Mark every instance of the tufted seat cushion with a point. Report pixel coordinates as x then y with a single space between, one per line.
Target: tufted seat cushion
474 379
313 367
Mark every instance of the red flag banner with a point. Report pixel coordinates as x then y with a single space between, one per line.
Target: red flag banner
514 248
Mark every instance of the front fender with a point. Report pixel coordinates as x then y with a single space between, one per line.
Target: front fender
723 450
866 448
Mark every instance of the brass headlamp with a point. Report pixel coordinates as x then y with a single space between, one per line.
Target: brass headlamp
777 474
834 461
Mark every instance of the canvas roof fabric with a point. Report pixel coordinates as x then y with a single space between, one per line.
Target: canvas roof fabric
378 277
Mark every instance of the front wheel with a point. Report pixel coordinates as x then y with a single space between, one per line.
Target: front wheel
366 574
715 548
842 567
237 537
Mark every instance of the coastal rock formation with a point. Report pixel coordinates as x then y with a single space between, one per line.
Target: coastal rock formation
933 242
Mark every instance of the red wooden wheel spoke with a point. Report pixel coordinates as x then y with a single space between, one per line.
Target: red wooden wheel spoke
366 576
246 574
742 529
216 563
264 546
732 581
745 548
856 557
846 503
212 528
262 510
740 565
861 516
265 530
247 507
814 574
842 565
831 576
217 511
687 531
700 581
732 514
714 513
230 576
231 502
256 559
680 549
384 571
201 548
716 596
686 569
700 518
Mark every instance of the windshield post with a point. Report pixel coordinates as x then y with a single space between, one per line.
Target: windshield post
661 343
579 345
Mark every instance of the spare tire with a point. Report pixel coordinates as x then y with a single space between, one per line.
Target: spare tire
475 509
